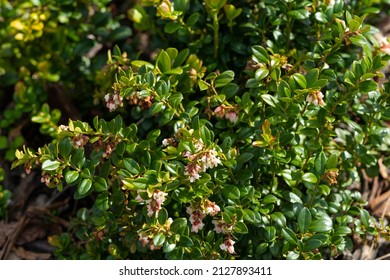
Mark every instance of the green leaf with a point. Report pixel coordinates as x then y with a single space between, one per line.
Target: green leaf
242 158
321 17
365 217
290 236
49 165
299 14
65 147
158 239
353 25
319 164
156 108
332 161
292 197
181 57
342 231
203 85
192 19
224 79
171 27
269 198
84 187
260 54
358 40
304 220
140 63
322 224
71 176
269 233
241 228
312 244
251 216
164 62
261 73
269 99
179 226
168 247
100 185
367 86
300 80
131 165
312 77
279 219
162 216
309 178
231 192
185 241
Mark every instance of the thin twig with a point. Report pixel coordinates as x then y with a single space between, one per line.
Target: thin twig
384 257
386 207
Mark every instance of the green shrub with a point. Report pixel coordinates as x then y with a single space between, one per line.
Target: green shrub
241 139
50 51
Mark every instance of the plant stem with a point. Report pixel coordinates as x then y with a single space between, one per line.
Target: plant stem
216 32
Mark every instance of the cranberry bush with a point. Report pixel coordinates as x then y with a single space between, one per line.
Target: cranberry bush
239 137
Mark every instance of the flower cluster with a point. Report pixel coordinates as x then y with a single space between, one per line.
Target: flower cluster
316 97
51 180
227 245
198 211
113 101
220 226
227 112
200 163
153 204
80 140
145 102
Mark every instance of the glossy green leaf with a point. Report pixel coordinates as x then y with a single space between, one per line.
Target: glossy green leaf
65 147
223 79
131 165
309 177
279 219
290 236
260 54
179 226
158 239
321 224
100 185
164 62
49 165
84 187
241 228
304 220
71 176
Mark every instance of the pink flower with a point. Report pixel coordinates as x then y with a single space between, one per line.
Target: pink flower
196 217
165 142
192 170
220 226
212 208
227 245
113 102
210 159
219 112
231 116
316 98
144 239
153 205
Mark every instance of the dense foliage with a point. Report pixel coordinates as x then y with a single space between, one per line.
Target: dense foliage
237 133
